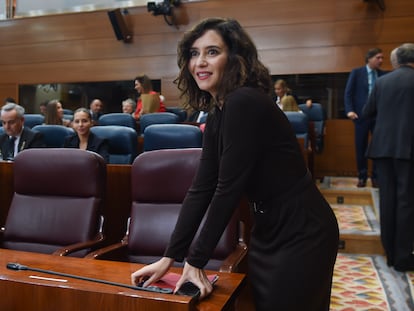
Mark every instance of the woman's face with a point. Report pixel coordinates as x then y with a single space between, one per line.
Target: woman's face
280 90
208 59
59 110
82 123
138 86
127 108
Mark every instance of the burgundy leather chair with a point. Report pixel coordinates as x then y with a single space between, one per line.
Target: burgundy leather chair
160 180
57 203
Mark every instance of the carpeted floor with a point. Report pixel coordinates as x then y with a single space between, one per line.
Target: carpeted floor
365 282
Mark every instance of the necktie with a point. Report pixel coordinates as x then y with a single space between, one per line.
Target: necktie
373 78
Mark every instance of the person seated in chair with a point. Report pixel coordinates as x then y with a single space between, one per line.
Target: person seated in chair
129 106
16 137
84 139
54 114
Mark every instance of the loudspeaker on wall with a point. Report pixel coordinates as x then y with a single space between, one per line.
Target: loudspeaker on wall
118 24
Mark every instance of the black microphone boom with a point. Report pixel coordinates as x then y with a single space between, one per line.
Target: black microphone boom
156 289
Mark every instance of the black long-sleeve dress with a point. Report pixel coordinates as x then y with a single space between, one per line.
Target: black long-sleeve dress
250 148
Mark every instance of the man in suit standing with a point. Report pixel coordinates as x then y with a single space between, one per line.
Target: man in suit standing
16 136
359 85
392 149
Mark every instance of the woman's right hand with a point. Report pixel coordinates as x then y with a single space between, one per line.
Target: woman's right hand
152 273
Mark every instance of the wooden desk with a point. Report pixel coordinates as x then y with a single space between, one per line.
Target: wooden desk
20 292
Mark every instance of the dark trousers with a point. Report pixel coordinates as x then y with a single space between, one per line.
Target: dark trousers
396 187
363 128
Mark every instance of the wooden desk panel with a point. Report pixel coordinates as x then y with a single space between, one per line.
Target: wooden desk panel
20 292
6 189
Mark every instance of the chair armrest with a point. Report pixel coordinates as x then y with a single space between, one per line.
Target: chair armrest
231 263
99 253
66 250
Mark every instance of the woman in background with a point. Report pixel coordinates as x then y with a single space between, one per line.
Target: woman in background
84 139
294 240
54 114
143 85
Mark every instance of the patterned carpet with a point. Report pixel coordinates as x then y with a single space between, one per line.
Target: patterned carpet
365 282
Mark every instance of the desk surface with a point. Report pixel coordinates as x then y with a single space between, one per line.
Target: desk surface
20 291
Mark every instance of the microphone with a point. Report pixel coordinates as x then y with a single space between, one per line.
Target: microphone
155 289
16 266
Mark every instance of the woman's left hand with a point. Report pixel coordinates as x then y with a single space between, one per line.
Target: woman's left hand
198 277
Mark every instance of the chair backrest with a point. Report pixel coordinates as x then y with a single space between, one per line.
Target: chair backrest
180 112
300 124
122 119
1 130
172 136
157 118
57 201
68 111
54 135
123 142
160 180
317 116
33 119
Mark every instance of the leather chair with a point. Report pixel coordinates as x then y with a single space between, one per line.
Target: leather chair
54 135
316 115
302 128
300 124
180 112
122 119
123 142
157 118
68 111
172 136
57 202
160 180
33 119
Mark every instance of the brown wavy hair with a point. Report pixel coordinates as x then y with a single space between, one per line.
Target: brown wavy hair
243 67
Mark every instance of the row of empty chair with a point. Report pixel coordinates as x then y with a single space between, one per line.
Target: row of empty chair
59 211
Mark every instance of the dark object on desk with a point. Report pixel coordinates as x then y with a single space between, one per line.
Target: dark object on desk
189 289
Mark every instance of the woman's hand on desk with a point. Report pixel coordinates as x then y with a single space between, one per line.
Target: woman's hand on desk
196 276
152 273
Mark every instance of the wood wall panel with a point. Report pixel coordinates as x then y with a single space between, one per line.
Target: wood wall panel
292 36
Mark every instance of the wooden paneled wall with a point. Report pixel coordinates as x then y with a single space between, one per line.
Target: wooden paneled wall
292 36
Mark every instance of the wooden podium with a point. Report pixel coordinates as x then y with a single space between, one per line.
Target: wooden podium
29 290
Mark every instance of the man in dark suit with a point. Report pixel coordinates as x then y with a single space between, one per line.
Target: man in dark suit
96 109
16 137
392 149
360 82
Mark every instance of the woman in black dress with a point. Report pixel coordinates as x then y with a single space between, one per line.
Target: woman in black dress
249 148
84 138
